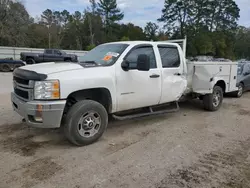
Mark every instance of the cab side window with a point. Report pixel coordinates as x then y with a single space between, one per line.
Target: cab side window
132 57
48 51
169 56
247 68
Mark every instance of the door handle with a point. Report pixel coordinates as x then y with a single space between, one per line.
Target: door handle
177 74
155 76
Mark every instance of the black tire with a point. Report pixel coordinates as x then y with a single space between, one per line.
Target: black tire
5 68
30 61
76 113
208 100
240 91
67 60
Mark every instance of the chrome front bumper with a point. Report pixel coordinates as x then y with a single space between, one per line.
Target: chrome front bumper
51 112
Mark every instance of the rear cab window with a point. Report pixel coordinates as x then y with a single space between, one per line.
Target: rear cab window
170 56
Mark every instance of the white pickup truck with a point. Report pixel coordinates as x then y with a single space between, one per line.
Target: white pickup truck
121 79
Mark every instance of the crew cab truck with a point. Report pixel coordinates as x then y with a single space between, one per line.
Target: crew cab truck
121 79
49 55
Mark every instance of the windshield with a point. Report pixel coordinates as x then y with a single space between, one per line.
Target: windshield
105 54
240 68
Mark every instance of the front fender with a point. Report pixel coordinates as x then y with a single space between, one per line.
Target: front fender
87 78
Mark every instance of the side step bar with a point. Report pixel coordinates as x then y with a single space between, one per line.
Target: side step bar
152 112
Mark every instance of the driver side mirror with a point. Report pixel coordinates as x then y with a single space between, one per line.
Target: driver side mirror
143 62
246 73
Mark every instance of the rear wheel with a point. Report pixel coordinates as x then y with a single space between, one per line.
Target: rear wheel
30 61
85 123
240 91
68 60
212 102
5 68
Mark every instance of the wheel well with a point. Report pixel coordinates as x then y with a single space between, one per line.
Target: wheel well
101 95
67 58
28 57
222 84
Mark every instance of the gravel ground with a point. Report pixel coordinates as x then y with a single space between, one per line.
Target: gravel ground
188 149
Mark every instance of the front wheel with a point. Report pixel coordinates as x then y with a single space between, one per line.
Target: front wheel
212 102
86 122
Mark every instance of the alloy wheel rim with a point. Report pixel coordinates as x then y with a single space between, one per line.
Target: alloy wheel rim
89 124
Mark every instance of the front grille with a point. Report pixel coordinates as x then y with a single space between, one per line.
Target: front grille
21 81
22 93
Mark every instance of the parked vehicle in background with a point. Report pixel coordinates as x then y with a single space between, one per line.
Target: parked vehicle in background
123 79
49 55
243 78
8 64
222 60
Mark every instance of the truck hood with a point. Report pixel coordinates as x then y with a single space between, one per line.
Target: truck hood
50 68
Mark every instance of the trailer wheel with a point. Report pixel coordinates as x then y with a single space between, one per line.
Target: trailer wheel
86 122
30 61
212 102
5 68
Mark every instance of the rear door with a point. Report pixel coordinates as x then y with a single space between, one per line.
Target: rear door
48 55
174 83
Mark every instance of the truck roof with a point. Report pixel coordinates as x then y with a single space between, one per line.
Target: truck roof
143 42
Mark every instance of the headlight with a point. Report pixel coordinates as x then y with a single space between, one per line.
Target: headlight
47 90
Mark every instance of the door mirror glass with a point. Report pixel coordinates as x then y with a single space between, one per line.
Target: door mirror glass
143 62
246 73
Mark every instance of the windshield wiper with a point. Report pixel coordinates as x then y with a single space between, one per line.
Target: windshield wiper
89 62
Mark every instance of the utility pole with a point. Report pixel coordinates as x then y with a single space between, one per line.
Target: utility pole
49 35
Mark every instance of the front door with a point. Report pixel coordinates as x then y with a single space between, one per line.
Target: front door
136 89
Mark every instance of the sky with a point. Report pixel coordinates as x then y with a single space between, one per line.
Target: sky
138 12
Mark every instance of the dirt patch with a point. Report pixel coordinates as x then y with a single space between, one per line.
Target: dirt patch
230 105
228 169
115 147
23 146
244 112
41 169
219 135
146 133
7 129
25 141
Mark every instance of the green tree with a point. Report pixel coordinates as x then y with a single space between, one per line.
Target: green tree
242 45
125 38
176 15
110 12
151 31
132 31
14 23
